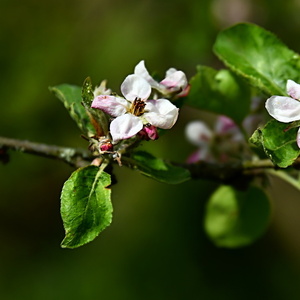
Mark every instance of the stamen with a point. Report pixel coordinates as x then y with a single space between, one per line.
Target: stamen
138 107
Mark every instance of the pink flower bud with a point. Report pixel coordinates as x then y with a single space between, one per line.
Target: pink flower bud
149 132
106 147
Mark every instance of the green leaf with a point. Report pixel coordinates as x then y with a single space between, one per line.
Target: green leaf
221 92
158 169
277 142
98 117
87 92
235 218
86 207
259 56
70 96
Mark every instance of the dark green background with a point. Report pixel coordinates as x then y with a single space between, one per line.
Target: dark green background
155 248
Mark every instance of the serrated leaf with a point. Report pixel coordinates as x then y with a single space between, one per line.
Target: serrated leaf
70 96
98 117
158 169
259 56
86 208
278 142
221 92
235 218
256 138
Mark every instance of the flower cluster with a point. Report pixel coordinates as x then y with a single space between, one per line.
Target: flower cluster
136 114
286 109
222 144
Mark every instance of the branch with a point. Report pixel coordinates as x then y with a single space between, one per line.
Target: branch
238 173
74 157
235 173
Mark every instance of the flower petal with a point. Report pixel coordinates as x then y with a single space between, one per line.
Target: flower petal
283 109
224 125
141 70
135 86
198 133
161 113
293 89
151 132
175 79
114 106
125 126
200 155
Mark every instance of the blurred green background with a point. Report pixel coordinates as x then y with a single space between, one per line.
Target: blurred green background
155 247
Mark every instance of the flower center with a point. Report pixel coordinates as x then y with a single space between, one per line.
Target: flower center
137 107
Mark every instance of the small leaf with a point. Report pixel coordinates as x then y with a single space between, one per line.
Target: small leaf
87 92
221 92
278 142
234 218
259 56
86 207
158 169
98 117
70 96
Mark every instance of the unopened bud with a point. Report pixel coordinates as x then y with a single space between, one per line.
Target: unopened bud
106 147
149 132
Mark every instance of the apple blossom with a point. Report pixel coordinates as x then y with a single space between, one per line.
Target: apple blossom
214 145
198 134
174 82
132 113
286 109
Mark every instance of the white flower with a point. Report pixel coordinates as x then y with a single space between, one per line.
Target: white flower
135 111
174 82
199 135
218 144
286 109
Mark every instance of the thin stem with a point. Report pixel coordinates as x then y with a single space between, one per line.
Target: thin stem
73 156
258 164
235 173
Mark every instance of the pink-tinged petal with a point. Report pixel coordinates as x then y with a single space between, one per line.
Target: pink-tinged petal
283 109
151 132
175 79
114 106
293 89
224 124
298 138
161 113
198 133
125 126
135 86
194 157
185 91
200 155
141 70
